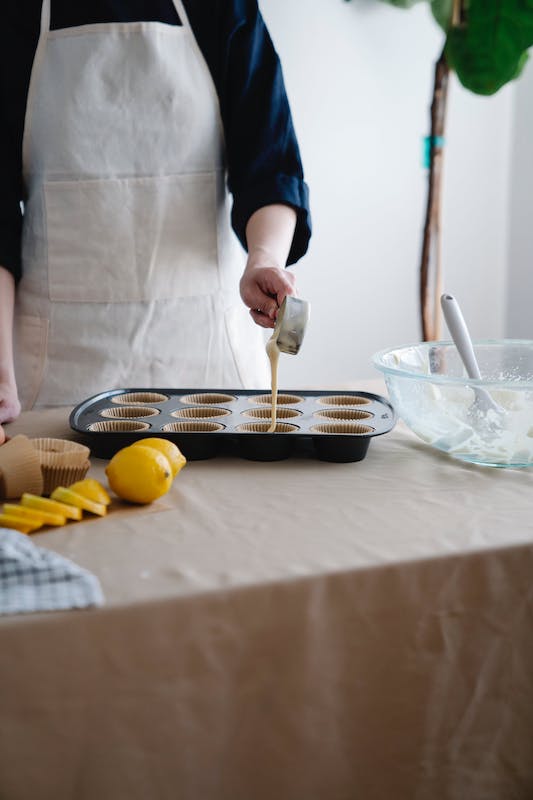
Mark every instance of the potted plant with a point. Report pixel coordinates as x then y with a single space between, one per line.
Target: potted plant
486 44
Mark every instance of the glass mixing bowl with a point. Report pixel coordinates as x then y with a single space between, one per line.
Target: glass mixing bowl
431 392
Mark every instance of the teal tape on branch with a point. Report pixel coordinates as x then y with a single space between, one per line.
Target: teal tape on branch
438 141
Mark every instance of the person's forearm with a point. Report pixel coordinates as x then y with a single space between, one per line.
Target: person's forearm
265 281
7 304
269 234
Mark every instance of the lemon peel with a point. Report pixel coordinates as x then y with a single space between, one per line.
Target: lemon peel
176 458
139 474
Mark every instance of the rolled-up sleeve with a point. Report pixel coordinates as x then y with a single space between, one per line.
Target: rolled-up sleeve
263 157
18 38
10 197
264 164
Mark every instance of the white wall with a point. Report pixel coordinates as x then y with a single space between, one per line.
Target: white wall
359 78
519 321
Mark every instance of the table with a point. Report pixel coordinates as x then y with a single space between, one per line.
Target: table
296 630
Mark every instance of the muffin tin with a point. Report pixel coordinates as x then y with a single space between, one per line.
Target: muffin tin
330 426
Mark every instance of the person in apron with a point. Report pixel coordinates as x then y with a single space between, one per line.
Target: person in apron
131 271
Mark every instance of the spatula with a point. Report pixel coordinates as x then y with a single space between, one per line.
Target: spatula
483 402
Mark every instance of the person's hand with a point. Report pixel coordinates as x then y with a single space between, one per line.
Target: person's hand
263 288
9 401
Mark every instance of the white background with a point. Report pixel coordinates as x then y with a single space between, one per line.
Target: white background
359 78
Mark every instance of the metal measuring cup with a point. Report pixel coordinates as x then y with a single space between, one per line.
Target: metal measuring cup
291 323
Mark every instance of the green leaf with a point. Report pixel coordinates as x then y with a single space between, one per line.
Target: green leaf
521 64
489 50
442 11
400 3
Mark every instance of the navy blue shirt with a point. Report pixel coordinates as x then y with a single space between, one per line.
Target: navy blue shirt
263 158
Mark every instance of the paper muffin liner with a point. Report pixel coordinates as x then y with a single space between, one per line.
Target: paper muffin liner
129 412
352 428
62 476
62 462
343 400
20 468
262 427
193 427
131 398
61 453
346 414
207 398
266 413
282 399
118 425
200 412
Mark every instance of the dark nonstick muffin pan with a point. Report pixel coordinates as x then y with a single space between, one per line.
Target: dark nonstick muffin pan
203 423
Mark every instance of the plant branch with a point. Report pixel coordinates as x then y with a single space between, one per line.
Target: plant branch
430 318
457 13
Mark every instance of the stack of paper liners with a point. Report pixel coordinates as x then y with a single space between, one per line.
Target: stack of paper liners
62 462
20 468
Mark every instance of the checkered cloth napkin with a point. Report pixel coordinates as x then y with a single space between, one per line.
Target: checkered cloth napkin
35 579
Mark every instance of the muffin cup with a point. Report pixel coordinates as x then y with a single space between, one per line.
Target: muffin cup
256 446
343 428
207 398
343 400
141 398
200 412
345 414
118 426
20 468
265 413
282 399
129 412
62 462
262 427
193 427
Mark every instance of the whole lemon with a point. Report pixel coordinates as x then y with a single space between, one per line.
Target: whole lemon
139 474
175 457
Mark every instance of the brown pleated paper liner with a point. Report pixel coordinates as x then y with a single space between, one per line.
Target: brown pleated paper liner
62 462
20 468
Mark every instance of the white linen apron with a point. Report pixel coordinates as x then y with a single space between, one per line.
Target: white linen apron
130 266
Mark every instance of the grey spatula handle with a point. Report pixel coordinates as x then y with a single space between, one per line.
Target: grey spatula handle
460 335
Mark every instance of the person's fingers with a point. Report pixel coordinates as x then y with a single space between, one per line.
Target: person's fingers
289 276
286 289
267 306
276 280
264 289
262 319
255 297
9 409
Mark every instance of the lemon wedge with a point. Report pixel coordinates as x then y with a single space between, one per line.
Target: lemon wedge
43 504
27 514
92 489
63 495
18 524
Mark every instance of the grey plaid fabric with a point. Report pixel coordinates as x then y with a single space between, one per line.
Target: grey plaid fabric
35 579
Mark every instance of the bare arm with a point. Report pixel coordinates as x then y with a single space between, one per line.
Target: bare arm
9 402
265 281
